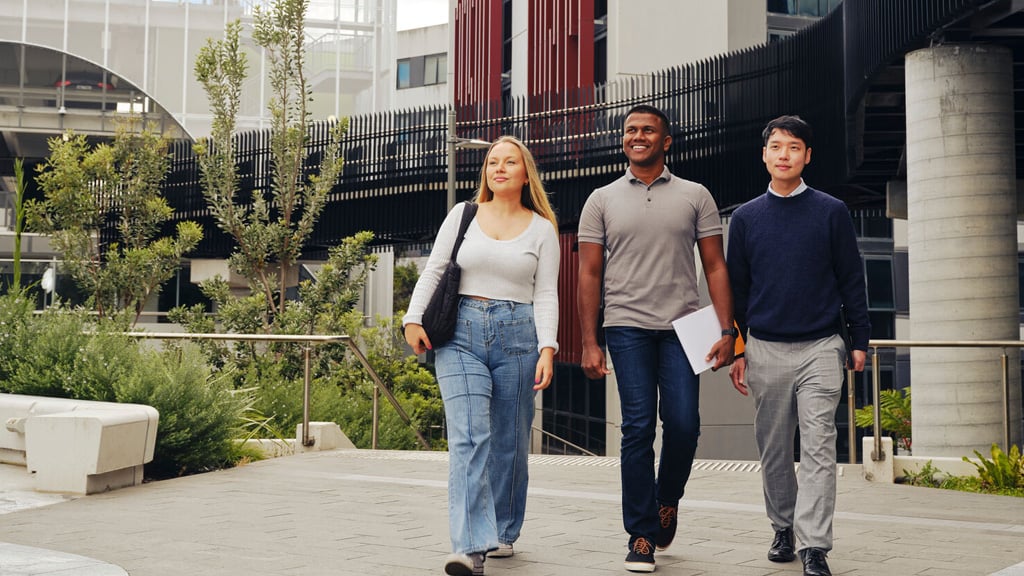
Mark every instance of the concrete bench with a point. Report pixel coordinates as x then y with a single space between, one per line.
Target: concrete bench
77 446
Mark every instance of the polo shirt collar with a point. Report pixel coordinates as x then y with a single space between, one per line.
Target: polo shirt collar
666 175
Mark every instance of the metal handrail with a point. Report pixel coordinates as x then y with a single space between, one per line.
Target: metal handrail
877 455
308 339
563 441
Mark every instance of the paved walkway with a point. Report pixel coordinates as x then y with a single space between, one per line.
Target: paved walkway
360 512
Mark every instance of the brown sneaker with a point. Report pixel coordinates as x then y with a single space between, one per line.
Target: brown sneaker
667 515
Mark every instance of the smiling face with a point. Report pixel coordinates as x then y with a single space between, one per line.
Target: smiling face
645 139
506 171
785 156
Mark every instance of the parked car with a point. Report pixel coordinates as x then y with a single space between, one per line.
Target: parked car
85 81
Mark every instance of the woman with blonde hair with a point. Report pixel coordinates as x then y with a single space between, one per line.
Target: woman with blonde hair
502 352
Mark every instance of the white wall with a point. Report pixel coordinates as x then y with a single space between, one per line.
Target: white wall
420 42
652 35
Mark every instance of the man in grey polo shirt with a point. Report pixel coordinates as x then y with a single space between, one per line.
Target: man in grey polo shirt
636 240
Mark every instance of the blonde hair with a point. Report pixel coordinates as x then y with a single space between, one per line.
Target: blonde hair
533 196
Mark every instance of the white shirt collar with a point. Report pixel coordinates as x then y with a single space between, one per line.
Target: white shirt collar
798 190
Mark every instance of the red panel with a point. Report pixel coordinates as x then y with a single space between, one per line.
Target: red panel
570 339
559 61
477 57
561 51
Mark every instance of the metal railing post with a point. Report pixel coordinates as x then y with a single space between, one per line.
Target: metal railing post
1006 402
876 390
851 406
376 419
306 440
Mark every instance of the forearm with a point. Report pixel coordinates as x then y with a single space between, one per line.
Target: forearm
721 296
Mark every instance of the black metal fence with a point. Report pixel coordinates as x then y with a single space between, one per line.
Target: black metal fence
396 162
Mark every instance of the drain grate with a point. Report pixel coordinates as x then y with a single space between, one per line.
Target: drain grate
549 459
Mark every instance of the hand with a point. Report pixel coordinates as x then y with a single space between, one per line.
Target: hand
722 352
737 372
417 338
859 358
545 369
593 362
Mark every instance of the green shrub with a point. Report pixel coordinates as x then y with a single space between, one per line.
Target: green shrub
1002 471
413 386
54 354
931 477
201 414
278 396
64 354
15 316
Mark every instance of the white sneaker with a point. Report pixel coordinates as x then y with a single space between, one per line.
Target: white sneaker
503 551
464 564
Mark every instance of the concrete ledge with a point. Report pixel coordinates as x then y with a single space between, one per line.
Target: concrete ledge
325 436
77 446
946 465
893 468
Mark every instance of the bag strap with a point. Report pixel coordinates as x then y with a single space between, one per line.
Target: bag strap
468 213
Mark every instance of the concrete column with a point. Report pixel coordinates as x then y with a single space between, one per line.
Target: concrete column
962 209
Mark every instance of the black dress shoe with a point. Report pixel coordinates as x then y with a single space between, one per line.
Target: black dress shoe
814 562
782 546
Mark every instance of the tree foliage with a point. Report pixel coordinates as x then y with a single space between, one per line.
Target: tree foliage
83 186
272 226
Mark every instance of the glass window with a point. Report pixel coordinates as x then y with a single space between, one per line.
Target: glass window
435 69
403 74
880 289
1020 282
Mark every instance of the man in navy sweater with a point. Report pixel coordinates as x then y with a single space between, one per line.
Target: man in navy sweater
793 263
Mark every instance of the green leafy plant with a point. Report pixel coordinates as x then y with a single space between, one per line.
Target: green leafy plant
1003 470
928 476
931 477
894 407
406 276
82 186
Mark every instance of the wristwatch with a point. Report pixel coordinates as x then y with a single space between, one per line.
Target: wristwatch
731 331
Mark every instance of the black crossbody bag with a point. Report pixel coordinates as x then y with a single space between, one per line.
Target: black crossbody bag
443 309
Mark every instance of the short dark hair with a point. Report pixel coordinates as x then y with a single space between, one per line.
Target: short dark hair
795 125
648 109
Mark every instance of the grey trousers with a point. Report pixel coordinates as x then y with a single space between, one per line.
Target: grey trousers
797 384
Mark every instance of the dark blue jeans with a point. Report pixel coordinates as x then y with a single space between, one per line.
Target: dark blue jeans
649 364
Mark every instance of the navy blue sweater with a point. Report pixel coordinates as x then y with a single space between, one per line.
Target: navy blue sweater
792 262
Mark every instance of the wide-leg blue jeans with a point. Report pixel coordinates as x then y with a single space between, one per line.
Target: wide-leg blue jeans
486 375
650 364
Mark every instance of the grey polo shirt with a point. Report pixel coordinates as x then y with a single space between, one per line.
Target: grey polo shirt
648 233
